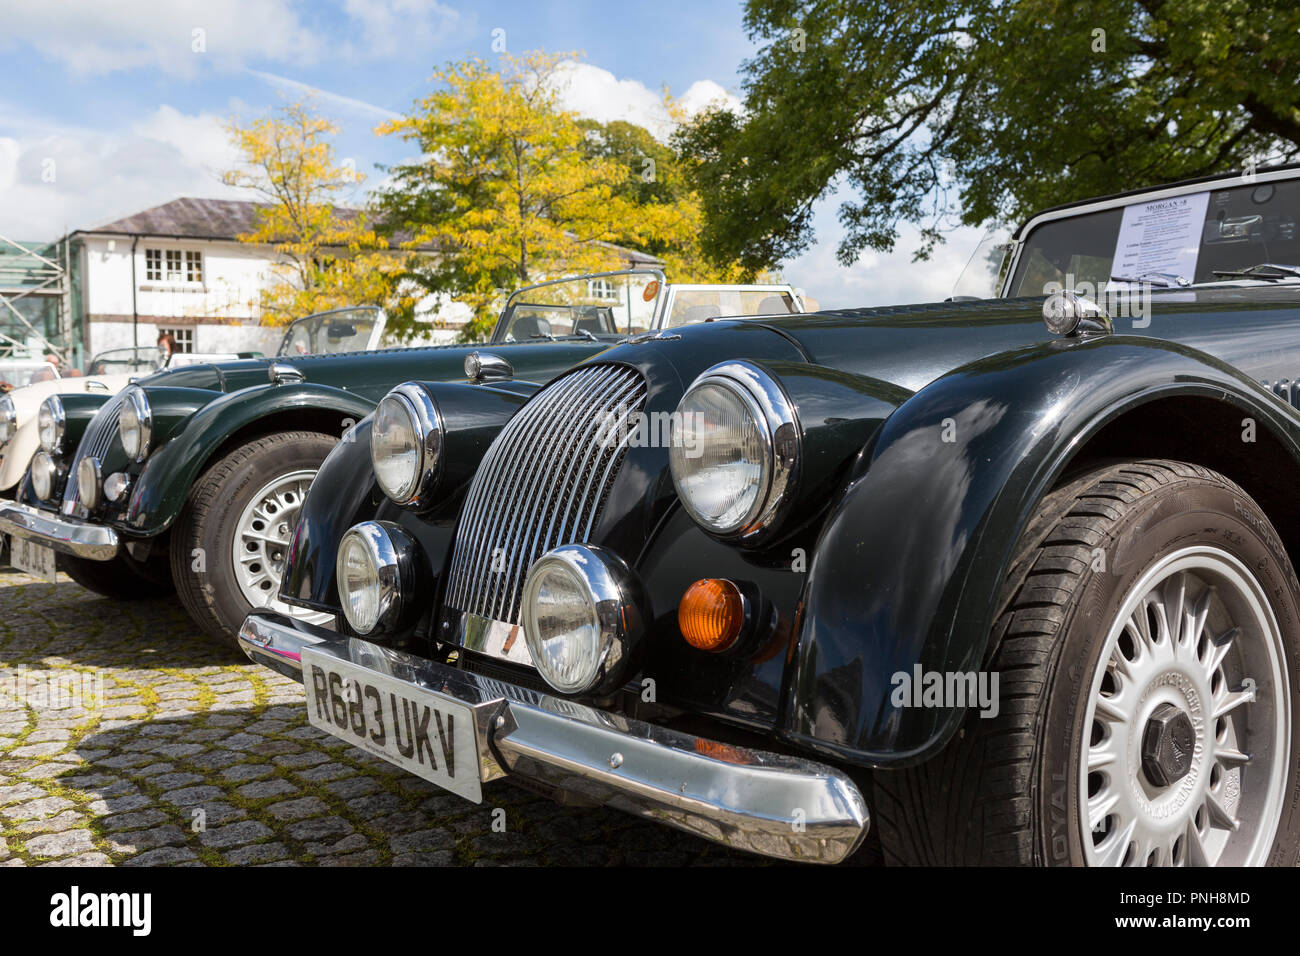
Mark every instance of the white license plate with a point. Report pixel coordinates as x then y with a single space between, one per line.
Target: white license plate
421 731
33 558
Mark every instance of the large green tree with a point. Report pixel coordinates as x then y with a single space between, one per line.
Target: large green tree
511 188
934 112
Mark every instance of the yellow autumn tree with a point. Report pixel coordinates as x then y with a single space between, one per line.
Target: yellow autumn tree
330 256
509 189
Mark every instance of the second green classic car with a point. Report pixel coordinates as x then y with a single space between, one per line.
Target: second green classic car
194 477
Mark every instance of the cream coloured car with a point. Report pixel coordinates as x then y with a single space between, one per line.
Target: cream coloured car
24 412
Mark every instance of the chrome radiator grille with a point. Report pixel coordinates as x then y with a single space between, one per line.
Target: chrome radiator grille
94 443
541 484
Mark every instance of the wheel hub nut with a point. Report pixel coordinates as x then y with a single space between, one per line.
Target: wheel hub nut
1167 745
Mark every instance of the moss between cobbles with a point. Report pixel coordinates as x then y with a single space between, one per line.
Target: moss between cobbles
147 644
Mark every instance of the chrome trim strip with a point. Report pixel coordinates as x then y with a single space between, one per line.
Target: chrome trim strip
494 639
767 803
66 535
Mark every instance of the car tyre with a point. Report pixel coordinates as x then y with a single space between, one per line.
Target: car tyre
1087 761
269 473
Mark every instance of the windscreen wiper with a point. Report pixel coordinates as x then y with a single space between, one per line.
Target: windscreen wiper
1268 271
1163 279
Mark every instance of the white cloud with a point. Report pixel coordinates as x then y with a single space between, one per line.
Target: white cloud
703 94
201 139
393 27
878 278
178 36
600 95
182 37
98 176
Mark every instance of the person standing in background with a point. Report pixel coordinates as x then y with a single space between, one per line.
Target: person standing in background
167 342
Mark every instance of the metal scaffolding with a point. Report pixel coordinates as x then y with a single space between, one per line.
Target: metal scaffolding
35 299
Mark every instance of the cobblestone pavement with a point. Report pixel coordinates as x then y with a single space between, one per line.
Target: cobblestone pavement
195 756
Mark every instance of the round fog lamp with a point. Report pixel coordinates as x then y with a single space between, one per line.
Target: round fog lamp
368 574
116 485
578 622
43 475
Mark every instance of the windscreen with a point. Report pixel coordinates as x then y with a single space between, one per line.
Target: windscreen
613 304
343 330
1210 236
698 305
132 361
15 373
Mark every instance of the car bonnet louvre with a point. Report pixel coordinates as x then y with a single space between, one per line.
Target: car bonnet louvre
542 483
94 444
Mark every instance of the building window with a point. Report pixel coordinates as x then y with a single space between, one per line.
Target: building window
603 290
184 338
173 265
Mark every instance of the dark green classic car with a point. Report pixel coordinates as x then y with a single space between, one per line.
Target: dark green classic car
1010 577
194 477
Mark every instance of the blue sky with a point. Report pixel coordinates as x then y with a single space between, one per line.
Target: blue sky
117 110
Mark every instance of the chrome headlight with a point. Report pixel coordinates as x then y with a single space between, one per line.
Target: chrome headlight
406 444
375 564
135 423
580 622
50 424
735 449
44 472
116 485
89 482
8 420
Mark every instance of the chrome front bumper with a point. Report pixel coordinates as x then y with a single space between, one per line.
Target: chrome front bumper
767 803
64 534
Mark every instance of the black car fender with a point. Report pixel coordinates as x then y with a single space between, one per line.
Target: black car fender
911 559
181 455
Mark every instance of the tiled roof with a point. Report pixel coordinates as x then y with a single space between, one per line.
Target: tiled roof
189 218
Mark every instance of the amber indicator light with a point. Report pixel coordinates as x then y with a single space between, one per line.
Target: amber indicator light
711 614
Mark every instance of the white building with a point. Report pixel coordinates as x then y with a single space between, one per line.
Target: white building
177 268
180 268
